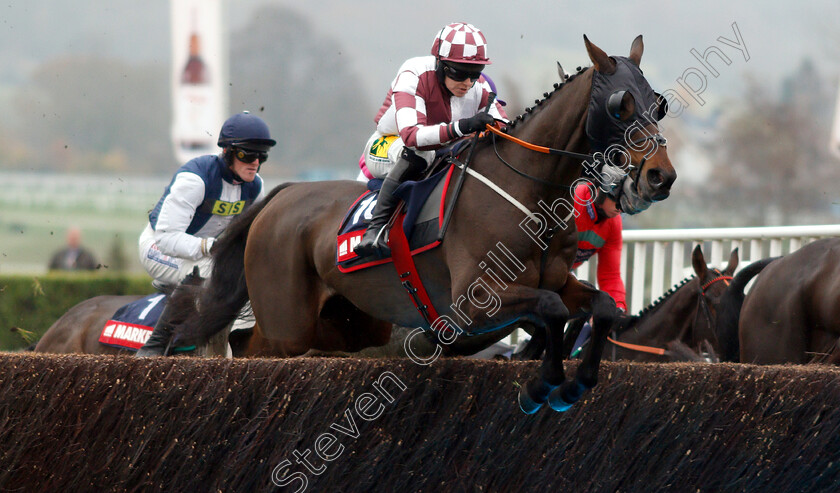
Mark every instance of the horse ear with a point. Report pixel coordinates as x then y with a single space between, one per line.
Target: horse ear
600 60
561 72
733 263
699 262
636 50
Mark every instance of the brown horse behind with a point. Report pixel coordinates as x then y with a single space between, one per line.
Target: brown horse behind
792 312
78 330
679 326
285 247
686 314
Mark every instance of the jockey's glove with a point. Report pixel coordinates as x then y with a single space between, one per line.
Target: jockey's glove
475 123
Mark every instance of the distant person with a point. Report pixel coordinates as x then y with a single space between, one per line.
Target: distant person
204 196
599 229
433 101
73 256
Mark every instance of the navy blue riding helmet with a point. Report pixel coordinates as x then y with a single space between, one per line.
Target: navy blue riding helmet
246 131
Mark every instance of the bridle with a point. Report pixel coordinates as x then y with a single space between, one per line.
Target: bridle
658 138
703 302
549 233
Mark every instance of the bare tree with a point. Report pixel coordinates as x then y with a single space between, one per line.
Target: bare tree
306 89
772 164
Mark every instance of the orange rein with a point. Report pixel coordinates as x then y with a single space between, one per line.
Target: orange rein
527 145
635 347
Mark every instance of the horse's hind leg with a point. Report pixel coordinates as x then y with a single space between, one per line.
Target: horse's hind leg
604 314
217 345
535 346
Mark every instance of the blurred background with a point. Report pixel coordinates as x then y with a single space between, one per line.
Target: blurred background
86 99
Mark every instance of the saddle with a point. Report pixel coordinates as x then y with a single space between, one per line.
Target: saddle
421 217
421 214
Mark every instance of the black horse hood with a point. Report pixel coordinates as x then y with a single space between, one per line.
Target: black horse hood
605 129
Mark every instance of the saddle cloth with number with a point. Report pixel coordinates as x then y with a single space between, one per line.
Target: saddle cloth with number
423 218
131 325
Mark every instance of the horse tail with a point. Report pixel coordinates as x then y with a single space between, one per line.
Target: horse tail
729 309
225 293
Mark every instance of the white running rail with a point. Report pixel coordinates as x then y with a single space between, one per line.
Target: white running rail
654 260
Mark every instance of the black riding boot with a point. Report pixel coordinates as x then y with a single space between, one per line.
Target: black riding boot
375 239
158 342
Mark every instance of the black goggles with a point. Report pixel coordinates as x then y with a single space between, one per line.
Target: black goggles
247 156
460 75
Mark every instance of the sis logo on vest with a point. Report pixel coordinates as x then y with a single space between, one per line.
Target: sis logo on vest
222 208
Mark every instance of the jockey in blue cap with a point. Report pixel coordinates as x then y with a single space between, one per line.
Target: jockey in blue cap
204 196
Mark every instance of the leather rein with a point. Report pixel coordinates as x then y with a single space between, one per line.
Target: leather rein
658 138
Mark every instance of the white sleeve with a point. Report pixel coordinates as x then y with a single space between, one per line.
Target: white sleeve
176 213
260 195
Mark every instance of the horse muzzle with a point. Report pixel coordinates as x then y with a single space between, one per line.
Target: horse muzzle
656 185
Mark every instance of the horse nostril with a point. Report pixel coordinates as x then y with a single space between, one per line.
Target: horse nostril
655 178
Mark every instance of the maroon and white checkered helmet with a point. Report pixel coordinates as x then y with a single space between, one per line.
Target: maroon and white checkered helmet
461 43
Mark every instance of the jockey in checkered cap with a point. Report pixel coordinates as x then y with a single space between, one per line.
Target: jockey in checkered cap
433 101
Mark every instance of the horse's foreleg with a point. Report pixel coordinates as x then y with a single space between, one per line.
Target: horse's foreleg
604 315
553 312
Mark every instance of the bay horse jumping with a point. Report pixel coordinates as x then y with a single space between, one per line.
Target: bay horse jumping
792 312
281 252
78 330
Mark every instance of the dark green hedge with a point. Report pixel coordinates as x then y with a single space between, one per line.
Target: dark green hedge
33 303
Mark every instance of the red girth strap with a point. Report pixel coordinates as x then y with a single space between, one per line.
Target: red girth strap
409 277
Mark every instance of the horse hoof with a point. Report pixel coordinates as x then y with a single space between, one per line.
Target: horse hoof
556 402
528 405
565 396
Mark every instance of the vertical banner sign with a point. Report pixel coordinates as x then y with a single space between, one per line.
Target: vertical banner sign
199 70
835 129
